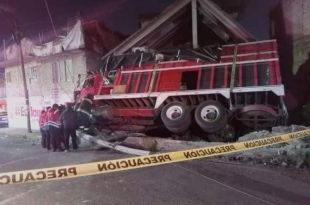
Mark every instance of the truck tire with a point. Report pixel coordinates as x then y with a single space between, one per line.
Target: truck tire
210 116
176 117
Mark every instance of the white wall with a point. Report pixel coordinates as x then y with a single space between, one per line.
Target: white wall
297 25
42 90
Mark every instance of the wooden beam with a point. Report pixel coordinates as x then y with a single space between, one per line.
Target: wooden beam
194 24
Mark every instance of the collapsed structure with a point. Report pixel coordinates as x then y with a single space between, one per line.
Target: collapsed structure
230 81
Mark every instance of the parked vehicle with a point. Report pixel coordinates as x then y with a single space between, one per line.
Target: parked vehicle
4 119
240 88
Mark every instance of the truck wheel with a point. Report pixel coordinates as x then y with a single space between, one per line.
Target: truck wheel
210 116
176 117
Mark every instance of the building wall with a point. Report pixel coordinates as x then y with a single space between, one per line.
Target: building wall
297 17
92 61
49 81
2 83
290 24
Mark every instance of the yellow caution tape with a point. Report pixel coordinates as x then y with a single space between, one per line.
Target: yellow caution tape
101 167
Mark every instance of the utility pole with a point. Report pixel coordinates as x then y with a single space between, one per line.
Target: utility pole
18 36
18 41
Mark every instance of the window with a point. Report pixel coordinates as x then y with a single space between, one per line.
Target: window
62 71
68 75
8 77
32 75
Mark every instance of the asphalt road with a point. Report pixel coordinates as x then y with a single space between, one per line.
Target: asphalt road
196 182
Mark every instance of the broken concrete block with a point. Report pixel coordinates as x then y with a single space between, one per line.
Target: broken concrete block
146 143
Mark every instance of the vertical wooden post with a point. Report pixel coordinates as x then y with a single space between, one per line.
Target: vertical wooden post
194 24
233 68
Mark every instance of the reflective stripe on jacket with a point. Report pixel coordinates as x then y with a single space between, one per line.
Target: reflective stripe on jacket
54 119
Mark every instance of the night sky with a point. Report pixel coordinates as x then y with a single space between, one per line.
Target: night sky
118 15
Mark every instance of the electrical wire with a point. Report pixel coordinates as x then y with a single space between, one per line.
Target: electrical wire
50 16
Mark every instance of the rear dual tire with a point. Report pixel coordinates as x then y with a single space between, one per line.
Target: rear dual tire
211 116
176 117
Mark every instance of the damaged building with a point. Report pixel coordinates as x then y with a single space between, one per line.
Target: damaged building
193 57
290 26
53 69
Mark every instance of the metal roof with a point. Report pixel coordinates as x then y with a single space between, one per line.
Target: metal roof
167 25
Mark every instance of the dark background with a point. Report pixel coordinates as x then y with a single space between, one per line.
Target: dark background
118 15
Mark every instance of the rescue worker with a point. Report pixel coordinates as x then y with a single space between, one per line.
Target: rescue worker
61 109
55 128
69 123
42 125
84 112
88 89
47 130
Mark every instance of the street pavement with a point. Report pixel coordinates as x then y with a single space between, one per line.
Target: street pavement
207 181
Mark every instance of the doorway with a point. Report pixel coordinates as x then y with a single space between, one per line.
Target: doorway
189 80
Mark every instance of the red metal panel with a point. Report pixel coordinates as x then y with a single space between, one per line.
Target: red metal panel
133 102
148 81
225 79
139 102
169 80
199 78
278 73
255 75
272 73
126 103
105 89
118 78
123 112
158 81
100 88
128 82
117 102
146 102
138 83
211 85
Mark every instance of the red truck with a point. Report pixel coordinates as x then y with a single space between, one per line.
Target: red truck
242 88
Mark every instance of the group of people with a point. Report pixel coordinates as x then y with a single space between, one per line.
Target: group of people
57 125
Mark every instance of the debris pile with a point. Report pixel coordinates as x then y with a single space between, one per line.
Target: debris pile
295 153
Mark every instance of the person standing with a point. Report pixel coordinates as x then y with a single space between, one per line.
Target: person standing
84 112
61 109
55 128
69 122
42 123
47 129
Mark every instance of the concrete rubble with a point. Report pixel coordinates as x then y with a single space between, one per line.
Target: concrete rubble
291 154
295 153
111 145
